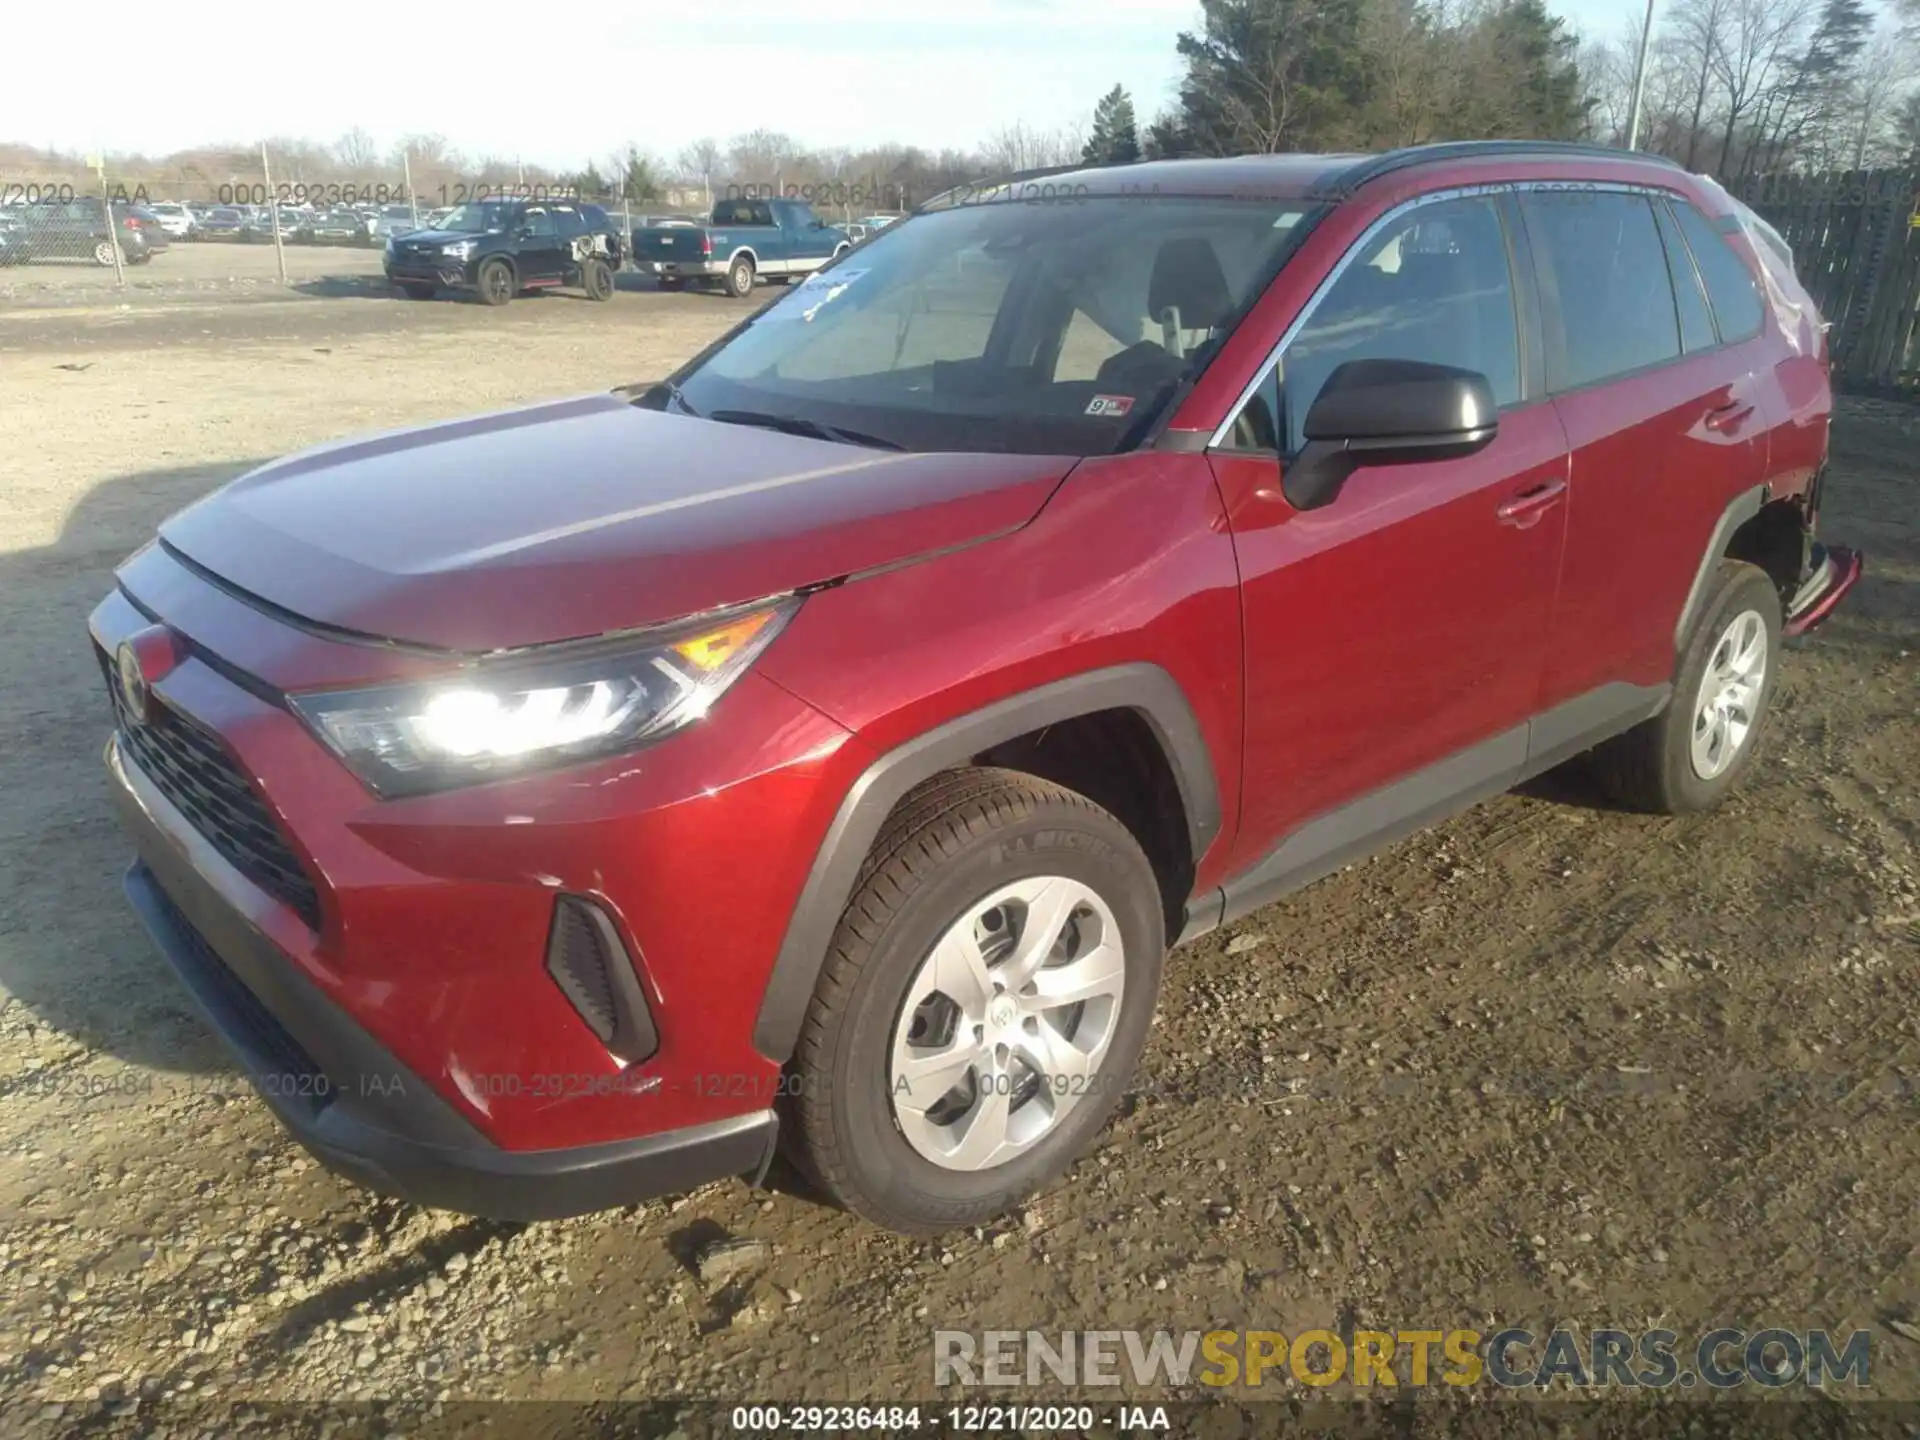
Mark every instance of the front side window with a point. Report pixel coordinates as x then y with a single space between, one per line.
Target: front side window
1609 271
1044 327
1433 285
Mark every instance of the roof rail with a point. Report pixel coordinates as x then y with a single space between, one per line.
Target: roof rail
994 182
1343 183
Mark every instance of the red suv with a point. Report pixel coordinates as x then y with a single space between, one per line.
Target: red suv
557 807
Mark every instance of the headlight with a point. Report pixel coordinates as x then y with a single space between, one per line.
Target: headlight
458 250
497 719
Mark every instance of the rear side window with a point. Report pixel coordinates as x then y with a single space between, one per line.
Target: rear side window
1616 308
1696 321
1730 284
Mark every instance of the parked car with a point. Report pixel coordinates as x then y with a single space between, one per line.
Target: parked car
221 222
391 220
846 726
174 218
742 241
337 227
79 229
13 249
878 222
497 248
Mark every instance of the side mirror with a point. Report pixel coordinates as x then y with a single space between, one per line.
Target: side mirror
1375 412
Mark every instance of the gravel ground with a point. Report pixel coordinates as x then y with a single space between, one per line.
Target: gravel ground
1547 1063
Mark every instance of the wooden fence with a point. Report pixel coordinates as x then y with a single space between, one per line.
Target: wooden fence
1857 248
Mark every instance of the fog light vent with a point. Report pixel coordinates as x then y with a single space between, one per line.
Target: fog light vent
593 970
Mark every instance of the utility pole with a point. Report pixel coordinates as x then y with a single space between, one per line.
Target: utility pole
1639 81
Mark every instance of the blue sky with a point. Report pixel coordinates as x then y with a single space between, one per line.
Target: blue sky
657 72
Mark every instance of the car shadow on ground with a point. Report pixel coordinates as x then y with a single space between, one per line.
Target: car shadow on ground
87 973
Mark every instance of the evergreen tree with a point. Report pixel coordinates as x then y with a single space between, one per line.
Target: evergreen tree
1116 138
590 182
1545 99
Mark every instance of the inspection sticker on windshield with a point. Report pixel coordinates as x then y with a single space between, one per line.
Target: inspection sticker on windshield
1109 405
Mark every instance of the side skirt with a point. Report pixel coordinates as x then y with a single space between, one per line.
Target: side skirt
1424 798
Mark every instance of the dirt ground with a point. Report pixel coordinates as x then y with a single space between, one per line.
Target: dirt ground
1548 1063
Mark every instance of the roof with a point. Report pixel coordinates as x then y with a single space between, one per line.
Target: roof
1280 177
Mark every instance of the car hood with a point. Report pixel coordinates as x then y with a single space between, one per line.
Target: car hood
582 517
443 237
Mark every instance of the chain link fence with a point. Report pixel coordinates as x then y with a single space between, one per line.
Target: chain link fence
91 233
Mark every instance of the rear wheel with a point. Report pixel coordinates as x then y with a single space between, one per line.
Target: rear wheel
740 277
1690 755
103 253
495 282
596 278
985 999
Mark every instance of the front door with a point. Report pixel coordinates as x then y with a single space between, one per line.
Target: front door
1395 635
542 256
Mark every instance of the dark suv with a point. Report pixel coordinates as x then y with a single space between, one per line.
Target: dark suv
497 248
828 743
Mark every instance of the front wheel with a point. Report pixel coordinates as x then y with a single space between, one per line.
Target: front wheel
495 282
985 999
596 278
1690 755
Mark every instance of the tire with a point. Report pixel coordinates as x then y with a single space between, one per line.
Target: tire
740 277
494 282
103 254
1657 766
417 291
596 277
958 842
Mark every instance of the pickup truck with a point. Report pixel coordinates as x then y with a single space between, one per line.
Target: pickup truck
741 241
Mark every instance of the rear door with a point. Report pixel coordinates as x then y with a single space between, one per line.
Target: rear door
1394 636
1665 432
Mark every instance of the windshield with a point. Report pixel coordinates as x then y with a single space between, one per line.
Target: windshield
478 219
1048 328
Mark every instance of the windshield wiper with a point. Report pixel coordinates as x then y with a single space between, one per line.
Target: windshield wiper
800 425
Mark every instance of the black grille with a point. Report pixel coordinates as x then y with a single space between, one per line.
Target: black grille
578 959
590 964
192 769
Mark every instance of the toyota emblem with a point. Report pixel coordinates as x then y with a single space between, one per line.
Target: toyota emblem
132 681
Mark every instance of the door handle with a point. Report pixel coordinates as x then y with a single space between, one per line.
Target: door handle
1524 510
1723 418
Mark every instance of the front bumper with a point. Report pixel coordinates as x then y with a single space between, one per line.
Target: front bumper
346 1098
447 274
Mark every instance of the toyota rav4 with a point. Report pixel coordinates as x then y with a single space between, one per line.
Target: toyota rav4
824 746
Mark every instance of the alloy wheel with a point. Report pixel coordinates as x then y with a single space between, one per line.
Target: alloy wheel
1004 1026
1728 702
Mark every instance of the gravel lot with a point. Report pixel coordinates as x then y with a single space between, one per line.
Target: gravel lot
1545 1064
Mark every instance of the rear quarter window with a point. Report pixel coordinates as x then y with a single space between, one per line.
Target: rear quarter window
1731 287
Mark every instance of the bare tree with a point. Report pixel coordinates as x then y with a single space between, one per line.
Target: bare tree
700 162
1019 146
356 150
1760 41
